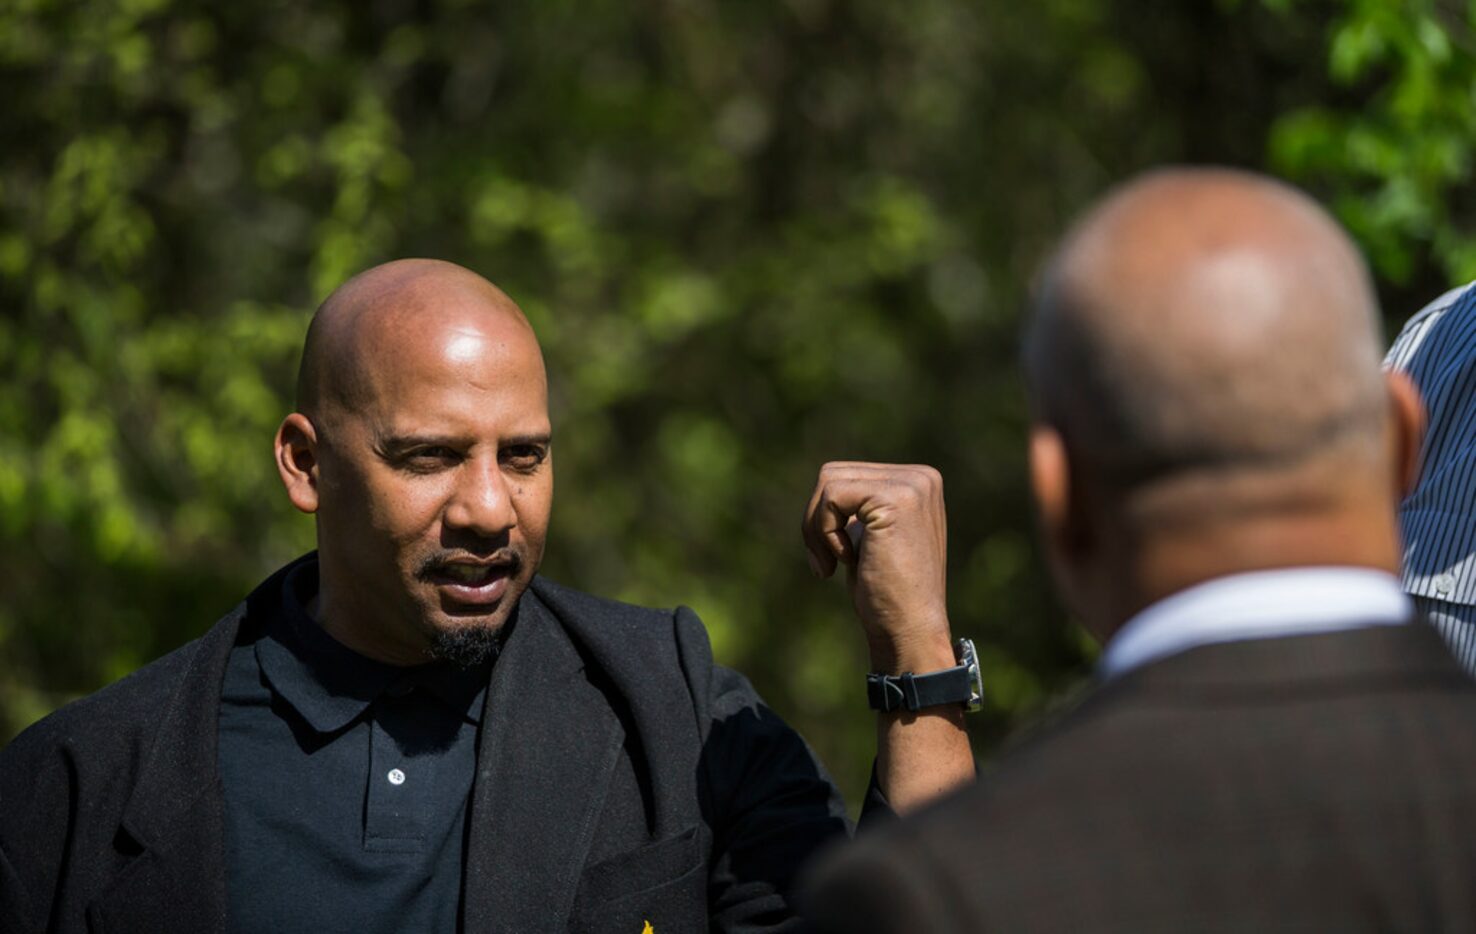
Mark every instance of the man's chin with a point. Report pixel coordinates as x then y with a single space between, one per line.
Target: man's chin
465 646
469 634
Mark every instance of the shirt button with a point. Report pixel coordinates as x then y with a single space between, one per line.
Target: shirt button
1445 583
396 777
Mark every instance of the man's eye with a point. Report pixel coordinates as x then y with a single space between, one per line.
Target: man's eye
430 457
523 457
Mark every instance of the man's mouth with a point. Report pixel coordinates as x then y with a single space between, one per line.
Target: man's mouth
473 582
472 574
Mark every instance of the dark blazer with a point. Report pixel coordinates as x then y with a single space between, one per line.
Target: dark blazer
622 778
1312 783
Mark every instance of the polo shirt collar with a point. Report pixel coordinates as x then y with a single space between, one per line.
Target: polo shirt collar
330 685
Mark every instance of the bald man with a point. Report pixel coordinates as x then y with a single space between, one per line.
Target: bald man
1273 743
409 730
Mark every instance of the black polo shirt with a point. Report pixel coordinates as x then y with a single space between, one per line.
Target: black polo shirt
346 781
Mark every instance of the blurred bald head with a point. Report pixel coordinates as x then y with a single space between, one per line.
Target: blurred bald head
1203 363
1206 319
385 310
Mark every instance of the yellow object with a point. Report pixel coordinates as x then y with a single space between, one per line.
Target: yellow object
648 929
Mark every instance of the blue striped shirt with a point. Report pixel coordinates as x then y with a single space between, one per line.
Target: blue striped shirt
1437 349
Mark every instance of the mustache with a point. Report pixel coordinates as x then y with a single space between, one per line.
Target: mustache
506 557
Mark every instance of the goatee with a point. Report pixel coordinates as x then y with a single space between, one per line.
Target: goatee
467 646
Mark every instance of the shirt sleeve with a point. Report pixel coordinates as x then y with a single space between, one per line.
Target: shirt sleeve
764 796
767 799
770 805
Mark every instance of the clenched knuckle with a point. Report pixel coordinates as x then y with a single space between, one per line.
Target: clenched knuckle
910 494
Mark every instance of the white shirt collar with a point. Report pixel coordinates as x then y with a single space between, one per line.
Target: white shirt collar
1257 605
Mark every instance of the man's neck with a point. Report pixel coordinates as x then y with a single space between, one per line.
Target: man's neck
1258 605
1174 560
331 616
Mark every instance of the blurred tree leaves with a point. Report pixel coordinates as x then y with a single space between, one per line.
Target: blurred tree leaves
752 237
1393 148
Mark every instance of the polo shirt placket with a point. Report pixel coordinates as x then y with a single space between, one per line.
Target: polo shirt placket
346 779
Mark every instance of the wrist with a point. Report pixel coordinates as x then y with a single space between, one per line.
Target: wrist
919 653
959 683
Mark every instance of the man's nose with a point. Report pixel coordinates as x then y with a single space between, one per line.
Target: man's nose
481 501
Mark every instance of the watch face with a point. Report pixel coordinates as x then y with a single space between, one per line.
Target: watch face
968 658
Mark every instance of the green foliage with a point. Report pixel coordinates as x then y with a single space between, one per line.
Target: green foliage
752 237
1393 150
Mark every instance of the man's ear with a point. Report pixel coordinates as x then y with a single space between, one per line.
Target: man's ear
1408 434
1050 484
297 460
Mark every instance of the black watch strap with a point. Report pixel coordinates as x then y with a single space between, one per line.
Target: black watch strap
959 685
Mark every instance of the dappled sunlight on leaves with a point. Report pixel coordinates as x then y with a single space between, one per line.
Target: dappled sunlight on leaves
751 236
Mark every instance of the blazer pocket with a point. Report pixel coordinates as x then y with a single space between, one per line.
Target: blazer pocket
645 868
662 883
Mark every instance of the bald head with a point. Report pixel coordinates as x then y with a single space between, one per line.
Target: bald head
422 448
1205 318
389 310
1204 369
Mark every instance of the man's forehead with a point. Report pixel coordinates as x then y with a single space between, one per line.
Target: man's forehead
416 305
444 330
431 311
464 343
442 405
432 343
401 431
457 360
439 372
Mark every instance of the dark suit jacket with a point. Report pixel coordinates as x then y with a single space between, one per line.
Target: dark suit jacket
1313 783
622 777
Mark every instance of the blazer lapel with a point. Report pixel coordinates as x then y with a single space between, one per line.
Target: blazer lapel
549 742
174 819
647 674
178 882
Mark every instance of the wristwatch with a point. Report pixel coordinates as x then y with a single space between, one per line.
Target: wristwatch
962 684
